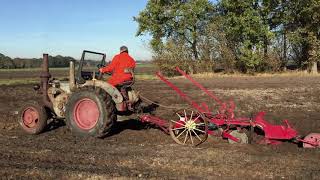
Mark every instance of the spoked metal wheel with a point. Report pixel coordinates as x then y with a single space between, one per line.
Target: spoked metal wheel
188 128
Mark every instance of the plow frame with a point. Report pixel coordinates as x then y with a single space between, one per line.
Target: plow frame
273 134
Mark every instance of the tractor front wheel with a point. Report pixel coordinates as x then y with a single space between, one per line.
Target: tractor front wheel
33 117
90 113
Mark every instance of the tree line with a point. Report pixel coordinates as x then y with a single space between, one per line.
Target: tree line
235 35
54 61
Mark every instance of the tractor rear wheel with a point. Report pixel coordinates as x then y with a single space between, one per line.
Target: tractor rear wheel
90 112
33 117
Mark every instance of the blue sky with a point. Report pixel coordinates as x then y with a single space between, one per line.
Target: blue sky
31 27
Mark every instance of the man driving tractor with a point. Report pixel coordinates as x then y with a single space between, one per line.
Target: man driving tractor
119 67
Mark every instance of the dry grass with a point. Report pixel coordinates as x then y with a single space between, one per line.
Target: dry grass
19 81
145 77
282 74
32 70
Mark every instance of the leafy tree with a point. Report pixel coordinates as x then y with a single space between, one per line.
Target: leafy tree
181 20
298 23
54 61
214 48
6 62
247 30
304 28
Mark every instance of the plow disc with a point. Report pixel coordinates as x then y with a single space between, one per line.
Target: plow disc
242 137
312 141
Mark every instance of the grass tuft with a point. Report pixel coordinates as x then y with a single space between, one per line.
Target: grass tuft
19 81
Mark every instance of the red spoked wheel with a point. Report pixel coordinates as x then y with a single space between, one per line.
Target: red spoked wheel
33 118
86 114
313 138
189 128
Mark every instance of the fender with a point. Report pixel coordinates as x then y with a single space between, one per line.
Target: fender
111 90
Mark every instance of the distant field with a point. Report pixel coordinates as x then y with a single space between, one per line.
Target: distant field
143 72
32 69
139 69
31 75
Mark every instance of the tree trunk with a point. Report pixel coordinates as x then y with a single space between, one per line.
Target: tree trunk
284 61
304 56
194 50
314 68
195 43
265 48
191 71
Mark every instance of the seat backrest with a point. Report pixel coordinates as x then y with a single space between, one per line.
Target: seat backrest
129 71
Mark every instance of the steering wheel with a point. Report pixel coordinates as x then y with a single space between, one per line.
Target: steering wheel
100 76
100 73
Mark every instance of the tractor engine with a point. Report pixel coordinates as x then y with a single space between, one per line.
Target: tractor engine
58 94
59 91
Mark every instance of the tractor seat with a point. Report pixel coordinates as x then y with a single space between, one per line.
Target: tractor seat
125 84
124 87
128 83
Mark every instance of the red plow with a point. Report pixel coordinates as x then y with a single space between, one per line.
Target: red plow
192 126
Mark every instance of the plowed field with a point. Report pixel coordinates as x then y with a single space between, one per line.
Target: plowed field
136 151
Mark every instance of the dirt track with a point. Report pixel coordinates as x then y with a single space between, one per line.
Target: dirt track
135 151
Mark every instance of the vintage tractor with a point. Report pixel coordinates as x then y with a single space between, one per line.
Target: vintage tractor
88 104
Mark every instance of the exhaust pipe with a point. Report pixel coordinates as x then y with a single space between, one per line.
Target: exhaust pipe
72 81
45 76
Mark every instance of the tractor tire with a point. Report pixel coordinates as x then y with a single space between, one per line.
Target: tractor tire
90 113
33 117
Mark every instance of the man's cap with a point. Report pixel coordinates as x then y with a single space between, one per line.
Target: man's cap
123 49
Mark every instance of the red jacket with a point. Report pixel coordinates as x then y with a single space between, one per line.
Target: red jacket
117 66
